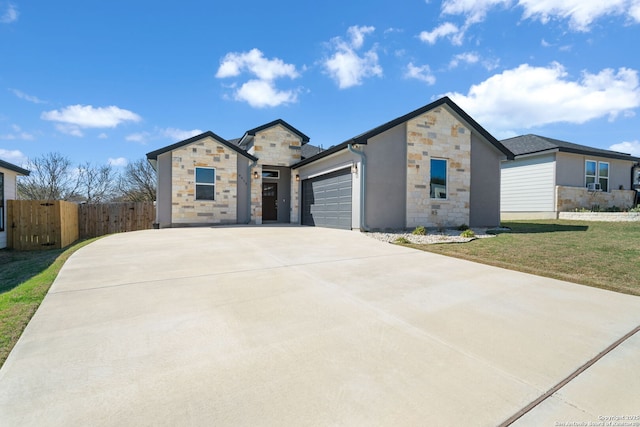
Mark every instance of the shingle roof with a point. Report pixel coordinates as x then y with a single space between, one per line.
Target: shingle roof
153 155
14 168
534 144
364 137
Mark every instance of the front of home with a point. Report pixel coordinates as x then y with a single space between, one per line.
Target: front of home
548 176
8 191
434 167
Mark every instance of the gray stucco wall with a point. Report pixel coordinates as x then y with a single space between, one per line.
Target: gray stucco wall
163 196
484 200
243 190
385 198
570 170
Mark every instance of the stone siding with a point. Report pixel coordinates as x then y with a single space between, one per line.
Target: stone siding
295 198
256 195
601 216
277 146
571 198
185 208
438 134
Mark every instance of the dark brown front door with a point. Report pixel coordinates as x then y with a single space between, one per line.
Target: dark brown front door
269 201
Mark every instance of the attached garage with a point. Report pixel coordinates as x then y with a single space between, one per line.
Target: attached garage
326 200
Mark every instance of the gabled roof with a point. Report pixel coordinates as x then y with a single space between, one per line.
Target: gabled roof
12 167
535 144
153 155
281 122
364 137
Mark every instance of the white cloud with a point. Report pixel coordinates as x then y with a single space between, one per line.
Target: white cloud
180 134
527 97
468 58
630 147
13 156
17 134
580 13
87 116
445 30
26 97
72 130
103 136
260 92
118 161
422 73
346 66
10 15
172 134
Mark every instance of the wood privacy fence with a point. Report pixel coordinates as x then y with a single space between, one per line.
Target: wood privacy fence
107 218
41 224
38 224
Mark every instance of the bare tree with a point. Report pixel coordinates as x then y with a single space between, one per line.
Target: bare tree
95 184
51 178
138 182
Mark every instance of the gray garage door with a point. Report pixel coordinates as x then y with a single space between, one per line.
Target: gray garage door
326 200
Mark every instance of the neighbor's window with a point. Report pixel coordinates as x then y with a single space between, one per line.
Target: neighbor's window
603 175
597 172
205 184
438 183
1 201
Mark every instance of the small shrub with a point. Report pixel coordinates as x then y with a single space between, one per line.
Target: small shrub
636 209
401 241
419 231
463 227
468 233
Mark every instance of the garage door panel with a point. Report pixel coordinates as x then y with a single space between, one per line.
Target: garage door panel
326 200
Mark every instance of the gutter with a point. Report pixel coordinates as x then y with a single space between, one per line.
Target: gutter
363 183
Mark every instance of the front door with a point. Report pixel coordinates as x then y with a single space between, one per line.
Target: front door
269 201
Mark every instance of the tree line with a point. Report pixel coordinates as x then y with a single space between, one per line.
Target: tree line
55 177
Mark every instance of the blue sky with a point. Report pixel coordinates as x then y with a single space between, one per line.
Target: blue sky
107 82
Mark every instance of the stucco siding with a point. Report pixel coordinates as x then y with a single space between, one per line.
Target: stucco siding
10 193
243 190
163 196
528 185
484 201
385 199
209 153
571 170
438 134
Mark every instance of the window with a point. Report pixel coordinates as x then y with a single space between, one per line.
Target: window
1 201
438 183
271 174
597 173
205 184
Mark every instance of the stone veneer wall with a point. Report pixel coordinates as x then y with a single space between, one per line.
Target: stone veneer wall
277 146
571 198
438 134
256 195
601 216
295 198
185 208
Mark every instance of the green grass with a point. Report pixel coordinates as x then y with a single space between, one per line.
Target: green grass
600 254
25 278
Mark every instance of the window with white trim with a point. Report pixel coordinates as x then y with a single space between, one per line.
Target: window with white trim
205 184
438 181
596 173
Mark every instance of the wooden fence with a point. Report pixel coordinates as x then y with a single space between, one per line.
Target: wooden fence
107 218
41 224
37 224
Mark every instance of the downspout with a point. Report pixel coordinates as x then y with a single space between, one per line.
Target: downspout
250 182
363 183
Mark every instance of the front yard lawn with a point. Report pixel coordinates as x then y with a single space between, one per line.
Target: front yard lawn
601 254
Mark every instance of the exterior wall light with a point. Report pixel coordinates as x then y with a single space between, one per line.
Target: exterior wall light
297 177
255 175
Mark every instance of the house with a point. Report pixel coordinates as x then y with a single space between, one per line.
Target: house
435 167
548 176
8 191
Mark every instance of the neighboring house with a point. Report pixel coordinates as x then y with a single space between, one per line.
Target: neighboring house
548 176
434 167
8 191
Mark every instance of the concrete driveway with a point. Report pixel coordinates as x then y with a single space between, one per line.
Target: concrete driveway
246 326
